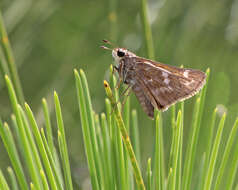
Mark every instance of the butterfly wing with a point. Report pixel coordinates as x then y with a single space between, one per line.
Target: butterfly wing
164 85
144 101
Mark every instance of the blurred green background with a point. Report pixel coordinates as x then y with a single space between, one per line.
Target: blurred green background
52 37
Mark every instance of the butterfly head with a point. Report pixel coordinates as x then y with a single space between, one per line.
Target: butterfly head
120 53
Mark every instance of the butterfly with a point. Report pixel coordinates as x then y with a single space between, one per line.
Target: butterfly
156 85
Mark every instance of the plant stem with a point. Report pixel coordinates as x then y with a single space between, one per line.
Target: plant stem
147 30
125 137
7 50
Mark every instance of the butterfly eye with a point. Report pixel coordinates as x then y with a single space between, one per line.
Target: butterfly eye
120 53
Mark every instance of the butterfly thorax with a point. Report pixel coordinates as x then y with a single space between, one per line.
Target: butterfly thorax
127 70
125 64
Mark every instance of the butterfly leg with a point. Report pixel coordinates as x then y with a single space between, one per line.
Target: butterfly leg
114 68
127 93
121 76
118 83
126 90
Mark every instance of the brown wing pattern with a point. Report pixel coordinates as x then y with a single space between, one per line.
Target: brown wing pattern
165 86
144 101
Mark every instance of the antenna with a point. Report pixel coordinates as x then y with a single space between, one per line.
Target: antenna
106 48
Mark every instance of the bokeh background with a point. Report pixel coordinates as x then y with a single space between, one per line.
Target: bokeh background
52 37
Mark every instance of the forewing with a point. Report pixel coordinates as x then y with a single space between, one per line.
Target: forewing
168 84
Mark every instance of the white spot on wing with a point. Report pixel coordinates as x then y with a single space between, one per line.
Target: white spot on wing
185 74
166 81
187 83
170 88
165 74
159 68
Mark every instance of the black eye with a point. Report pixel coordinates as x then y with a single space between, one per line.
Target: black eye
120 53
